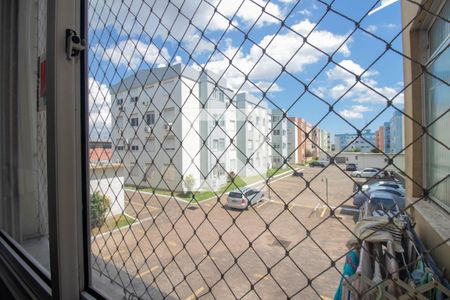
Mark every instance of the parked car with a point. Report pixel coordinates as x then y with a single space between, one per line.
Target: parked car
362 197
319 164
382 203
297 173
367 173
350 167
243 198
392 184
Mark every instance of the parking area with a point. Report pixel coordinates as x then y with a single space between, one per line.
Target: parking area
269 251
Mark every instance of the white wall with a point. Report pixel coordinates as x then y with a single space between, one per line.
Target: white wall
375 160
108 180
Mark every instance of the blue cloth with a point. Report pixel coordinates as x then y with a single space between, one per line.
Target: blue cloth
350 266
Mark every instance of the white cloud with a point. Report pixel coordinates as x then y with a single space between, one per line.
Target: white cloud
132 53
156 17
342 78
354 112
372 28
99 110
280 50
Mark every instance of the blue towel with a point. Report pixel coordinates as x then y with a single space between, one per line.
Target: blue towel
350 266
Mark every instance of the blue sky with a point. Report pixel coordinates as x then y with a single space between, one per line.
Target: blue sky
125 37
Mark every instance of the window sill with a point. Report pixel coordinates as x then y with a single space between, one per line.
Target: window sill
433 227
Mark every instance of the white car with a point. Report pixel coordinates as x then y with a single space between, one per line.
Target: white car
367 173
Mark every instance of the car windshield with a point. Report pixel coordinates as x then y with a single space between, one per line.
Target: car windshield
235 195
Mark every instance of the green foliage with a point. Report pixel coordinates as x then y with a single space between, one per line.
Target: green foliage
375 150
315 158
99 208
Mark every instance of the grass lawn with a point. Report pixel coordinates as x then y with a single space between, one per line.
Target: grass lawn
113 223
273 172
199 196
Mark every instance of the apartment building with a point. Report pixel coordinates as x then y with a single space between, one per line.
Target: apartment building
172 122
279 137
296 140
396 135
379 138
387 137
324 139
309 153
252 125
353 142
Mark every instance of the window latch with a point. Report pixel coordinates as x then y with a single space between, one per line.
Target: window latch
74 44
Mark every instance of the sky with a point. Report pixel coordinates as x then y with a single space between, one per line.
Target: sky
320 49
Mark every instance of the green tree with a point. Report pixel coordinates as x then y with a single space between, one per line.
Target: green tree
99 208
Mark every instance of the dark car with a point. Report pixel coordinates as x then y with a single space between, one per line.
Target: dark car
317 164
350 167
297 173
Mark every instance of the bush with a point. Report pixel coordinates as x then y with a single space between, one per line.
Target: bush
99 207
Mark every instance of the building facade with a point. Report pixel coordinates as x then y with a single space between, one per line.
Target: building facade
296 140
279 139
353 142
252 119
380 138
396 134
169 123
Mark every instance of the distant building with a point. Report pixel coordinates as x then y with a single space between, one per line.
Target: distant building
387 137
353 142
396 136
309 135
296 140
279 137
380 138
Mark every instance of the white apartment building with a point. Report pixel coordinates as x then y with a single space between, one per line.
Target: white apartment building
253 125
170 123
279 137
173 122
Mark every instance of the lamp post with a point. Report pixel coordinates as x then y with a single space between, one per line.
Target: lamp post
268 164
326 189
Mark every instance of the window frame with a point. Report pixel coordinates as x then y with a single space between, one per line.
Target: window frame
427 59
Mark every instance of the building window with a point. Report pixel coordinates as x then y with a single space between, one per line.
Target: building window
134 99
436 102
221 96
120 122
119 101
221 145
215 144
284 132
169 144
134 122
150 118
120 148
134 147
276 132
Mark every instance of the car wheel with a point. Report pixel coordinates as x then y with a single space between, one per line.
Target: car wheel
358 175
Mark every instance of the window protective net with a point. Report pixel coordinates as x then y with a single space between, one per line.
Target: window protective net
223 136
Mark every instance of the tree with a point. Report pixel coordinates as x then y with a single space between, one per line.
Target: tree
375 150
189 182
99 208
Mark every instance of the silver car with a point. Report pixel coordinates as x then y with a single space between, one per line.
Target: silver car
361 197
243 198
367 173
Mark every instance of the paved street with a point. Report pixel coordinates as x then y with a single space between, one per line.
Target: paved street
208 240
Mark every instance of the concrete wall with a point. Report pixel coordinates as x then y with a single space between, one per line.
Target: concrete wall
373 160
108 180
